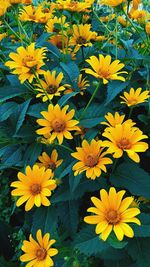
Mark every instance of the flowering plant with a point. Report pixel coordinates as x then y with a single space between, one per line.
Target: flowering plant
74 135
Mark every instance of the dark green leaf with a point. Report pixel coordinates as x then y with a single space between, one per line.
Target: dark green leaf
113 89
62 101
8 92
23 109
6 110
133 178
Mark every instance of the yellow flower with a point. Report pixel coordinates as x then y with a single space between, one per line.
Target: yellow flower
58 123
141 16
136 3
34 187
108 18
82 84
82 36
104 69
123 21
125 137
60 40
112 3
74 6
36 14
2 36
49 162
51 24
113 120
112 213
147 28
26 62
135 97
51 85
91 159
38 253
4 6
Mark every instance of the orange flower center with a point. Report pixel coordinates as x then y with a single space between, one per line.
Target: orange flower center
104 73
52 165
41 254
112 216
91 160
124 144
51 89
35 189
81 40
27 59
132 101
58 125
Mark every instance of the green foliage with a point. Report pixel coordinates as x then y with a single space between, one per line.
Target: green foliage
133 178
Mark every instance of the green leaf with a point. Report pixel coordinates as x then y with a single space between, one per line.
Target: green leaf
53 49
32 153
8 92
34 110
133 178
144 229
6 110
115 243
90 123
66 170
22 112
113 89
138 249
89 243
74 181
72 71
62 101
44 218
12 157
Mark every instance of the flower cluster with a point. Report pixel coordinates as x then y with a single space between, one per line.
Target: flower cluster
75 117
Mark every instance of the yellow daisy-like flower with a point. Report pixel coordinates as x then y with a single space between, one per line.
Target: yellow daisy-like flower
112 3
82 36
34 187
112 213
91 159
36 14
74 6
125 137
51 85
58 123
113 120
83 83
135 97
50 26
104 69
4 6
49 162
2 36
38 252
26 62
147 28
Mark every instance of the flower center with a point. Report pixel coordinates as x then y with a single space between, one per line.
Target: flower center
104 73
81 40
27 59
124 144
132 101
112 216
52 165
41 254
58 125
51 89
35 189
91 160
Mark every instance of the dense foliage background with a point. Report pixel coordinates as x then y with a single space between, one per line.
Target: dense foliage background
20 145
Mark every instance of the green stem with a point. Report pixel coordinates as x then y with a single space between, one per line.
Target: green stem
16 35
91 99
116 37
130 112
82 49
97 18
